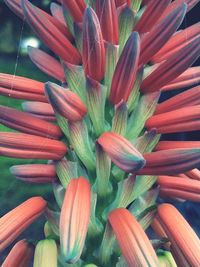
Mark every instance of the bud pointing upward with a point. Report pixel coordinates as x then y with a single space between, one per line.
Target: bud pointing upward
93 46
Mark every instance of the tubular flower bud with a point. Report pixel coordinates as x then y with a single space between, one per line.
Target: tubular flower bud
177 187
194 174
151 43
125 71
135 245
185 243
164 145
46 63
121 152
152 13
170 69
34 173
17 220
93 46
53 36
41 110
188 78
21 87
74 219
188 98
76 8
27 123
179 120
45 254
171 161
19 145
176 42
107 14
65 102
20 255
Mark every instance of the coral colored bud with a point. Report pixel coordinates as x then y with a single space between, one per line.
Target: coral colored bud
152 13
19 145
45 254
40 110
17 220
93 46
188 78
194 174
177 187
171 161
187 98
135 245
27 123
121 152
179 120
54 36
74 219
19 256
46 63
21 87
125 71
164 145
76 8
107 14
65 102
34 173
185 244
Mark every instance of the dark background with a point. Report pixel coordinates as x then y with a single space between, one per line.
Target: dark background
14 60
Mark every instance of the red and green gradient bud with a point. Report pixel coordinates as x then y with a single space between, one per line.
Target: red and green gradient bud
74 219
121 151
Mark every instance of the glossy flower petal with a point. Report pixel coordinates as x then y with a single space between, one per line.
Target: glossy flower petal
27 123
184 241
19 145
93 46
177 187
135 245
20 255
107 14
121 151
125 71
65 102
74 219
21 87
17 220
34 173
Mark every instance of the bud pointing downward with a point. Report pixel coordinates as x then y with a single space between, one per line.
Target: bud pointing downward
19 256
74 219
121 152
17 220
135 245
65 102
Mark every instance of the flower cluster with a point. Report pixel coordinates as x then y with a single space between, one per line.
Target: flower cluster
99 129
